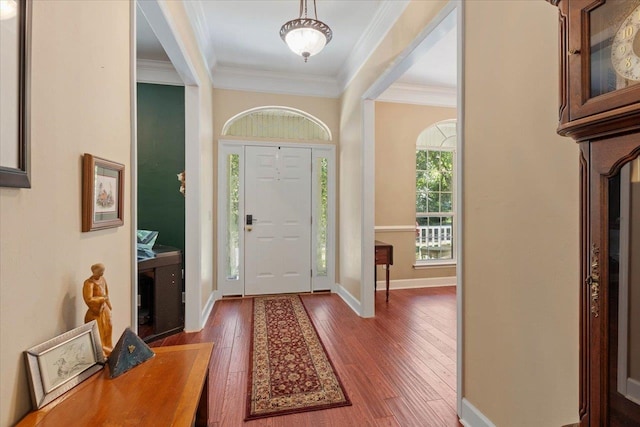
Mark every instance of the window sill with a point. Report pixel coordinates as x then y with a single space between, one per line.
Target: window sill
434 264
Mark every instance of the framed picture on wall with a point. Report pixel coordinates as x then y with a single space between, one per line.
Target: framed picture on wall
58 365
15 31
102 193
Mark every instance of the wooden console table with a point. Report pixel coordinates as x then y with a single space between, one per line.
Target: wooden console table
170 389
384 256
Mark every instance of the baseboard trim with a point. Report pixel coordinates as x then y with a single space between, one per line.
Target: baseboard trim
632 391
351 301
206 311
427 282
472 417
430 282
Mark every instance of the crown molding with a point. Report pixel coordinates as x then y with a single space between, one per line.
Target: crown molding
386 16
157 72
404 93
274 82
263 81
164 27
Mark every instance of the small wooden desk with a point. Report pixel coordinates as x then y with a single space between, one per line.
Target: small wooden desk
170 389
160 309
384 256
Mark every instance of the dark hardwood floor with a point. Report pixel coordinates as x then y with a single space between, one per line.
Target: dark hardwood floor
399 368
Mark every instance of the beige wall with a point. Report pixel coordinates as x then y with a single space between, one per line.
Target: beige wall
397 129
520 282
520 243
80 103
412 21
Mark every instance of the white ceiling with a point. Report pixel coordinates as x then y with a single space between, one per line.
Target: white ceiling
147 44
437 66
241 43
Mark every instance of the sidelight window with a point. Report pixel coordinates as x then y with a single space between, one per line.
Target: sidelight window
232 264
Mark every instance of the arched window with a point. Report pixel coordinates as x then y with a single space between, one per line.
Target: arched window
277 122
438 135
436 193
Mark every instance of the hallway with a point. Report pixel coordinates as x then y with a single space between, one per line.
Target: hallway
398 368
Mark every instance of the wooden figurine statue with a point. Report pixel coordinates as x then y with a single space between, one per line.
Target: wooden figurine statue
96 295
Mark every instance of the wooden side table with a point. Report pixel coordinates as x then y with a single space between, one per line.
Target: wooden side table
170 389
384 256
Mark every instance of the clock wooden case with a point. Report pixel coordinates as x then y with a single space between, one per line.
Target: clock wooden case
599 49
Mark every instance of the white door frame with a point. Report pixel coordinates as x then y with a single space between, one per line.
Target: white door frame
227 147
164 28
427 37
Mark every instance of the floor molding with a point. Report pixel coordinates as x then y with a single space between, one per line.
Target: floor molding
633 390
351 301
427 282
472 417
206 311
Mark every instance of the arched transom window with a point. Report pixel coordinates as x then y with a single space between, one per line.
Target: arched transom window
277 122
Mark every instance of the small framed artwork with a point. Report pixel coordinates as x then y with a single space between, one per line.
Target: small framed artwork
102 193
58 365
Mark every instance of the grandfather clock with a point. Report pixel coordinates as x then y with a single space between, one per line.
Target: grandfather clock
600 109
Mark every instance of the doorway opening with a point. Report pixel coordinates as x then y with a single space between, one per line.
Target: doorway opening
427 51
159 58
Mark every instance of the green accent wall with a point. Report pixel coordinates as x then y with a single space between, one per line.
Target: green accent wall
160 159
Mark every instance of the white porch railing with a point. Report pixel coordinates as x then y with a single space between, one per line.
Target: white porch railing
434 242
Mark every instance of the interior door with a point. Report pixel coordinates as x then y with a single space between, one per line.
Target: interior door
277 220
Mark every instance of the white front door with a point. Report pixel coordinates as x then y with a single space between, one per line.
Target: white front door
278 208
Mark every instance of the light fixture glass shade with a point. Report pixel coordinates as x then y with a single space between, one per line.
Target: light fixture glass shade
305 36
305 42
8 9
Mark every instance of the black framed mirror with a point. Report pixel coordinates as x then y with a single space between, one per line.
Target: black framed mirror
15 31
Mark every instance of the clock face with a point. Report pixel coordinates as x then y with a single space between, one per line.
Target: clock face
626 46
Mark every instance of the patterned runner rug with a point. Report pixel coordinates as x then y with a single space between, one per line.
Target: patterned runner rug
289 370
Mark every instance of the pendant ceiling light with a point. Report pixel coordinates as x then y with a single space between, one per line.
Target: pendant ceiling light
306 36
8 9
